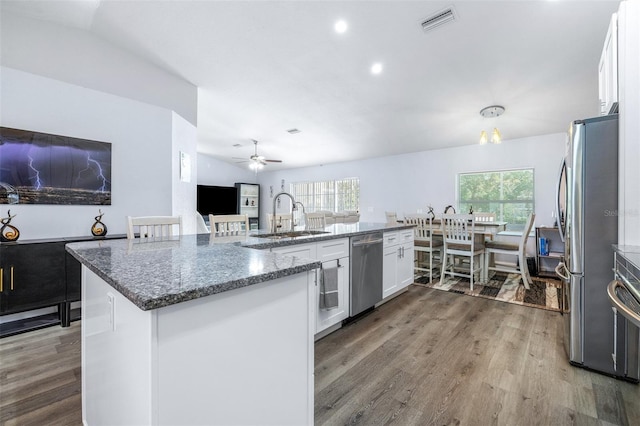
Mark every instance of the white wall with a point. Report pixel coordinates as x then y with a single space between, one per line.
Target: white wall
79 57
212 171
409 182
141 138
185 139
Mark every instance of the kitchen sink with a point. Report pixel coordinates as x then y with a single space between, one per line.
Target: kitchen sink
291 234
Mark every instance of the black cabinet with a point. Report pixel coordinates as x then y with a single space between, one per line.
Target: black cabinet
33 276
38 274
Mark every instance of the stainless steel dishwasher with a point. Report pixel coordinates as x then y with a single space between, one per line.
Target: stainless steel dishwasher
366 272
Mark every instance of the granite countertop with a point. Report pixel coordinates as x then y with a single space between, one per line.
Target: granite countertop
162 273
631 253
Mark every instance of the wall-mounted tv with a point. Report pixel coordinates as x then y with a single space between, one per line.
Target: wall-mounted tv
217 200
41 168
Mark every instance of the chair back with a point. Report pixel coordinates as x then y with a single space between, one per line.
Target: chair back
314 221
525 234
458 228
423 226
392 218
153 226
282 222
201 226
228 224
484 217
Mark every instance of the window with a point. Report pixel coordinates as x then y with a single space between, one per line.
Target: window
509 194
332 195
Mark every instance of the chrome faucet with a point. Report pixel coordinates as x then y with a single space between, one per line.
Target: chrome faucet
293 204
446 209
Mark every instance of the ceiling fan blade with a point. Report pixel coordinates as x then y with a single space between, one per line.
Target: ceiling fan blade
273 161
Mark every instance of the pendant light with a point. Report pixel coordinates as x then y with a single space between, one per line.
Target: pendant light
491 112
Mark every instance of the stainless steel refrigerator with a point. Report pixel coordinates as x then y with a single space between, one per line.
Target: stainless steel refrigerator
590 227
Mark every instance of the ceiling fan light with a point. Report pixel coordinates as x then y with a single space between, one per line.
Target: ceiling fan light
496 137
483 138
254 165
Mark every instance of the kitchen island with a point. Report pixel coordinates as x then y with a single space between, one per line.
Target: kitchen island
199 330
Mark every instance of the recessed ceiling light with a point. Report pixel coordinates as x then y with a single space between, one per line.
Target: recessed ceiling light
376 68
341 26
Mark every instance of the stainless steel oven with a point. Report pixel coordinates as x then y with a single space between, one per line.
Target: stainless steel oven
624 295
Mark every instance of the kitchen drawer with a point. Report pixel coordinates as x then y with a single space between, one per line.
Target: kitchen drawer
405 236
307 251
333 249
391 239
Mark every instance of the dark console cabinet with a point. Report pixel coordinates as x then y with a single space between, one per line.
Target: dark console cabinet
38 274
33 276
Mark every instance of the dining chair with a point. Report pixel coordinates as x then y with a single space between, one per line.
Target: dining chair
228 224
283 222
425 243
314 221
459 240
392 218
201 226
519 250
153 226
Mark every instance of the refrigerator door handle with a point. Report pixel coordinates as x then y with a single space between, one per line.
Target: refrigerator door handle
561 266
560 213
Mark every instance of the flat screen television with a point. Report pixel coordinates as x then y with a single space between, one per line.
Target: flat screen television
42 168
217 200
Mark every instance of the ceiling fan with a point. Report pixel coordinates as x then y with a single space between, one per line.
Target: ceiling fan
257 162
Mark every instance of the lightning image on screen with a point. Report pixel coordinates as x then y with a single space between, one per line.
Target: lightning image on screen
91 164
38 183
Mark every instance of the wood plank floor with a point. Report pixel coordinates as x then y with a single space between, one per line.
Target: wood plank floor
436 358
426 357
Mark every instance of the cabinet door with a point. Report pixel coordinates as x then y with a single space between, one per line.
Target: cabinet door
608 68
327 318
33 276
405 266
390 260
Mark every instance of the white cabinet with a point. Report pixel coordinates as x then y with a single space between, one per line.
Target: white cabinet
332 253
397 263
330 317
200 361
608 70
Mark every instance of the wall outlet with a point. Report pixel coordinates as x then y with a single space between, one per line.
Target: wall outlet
370 209
111 301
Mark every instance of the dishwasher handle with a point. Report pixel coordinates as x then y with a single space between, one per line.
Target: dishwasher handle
366 242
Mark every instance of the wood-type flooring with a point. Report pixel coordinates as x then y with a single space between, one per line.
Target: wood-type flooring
426 357
430 357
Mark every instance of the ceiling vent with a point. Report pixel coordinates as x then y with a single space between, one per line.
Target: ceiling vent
293 131
437 19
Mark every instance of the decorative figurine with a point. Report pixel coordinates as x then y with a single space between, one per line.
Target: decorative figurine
8 232
471 210
99 229
431 213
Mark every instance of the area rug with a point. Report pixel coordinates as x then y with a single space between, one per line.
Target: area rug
545 293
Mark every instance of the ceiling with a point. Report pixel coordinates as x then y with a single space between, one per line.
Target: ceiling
263 67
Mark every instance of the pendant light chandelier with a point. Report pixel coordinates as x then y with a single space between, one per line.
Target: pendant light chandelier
491 112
